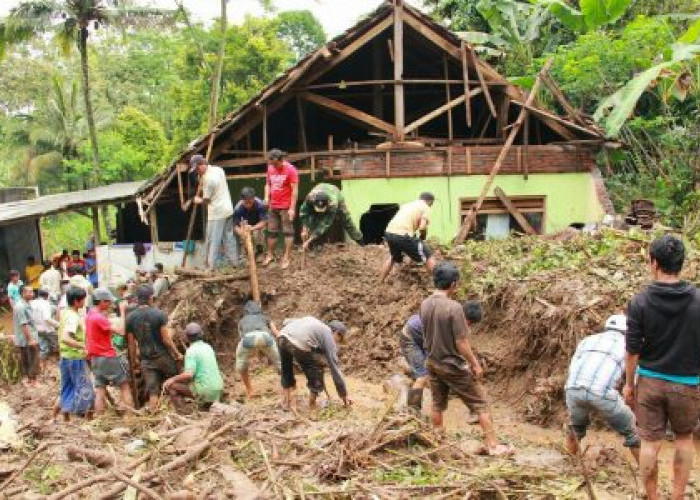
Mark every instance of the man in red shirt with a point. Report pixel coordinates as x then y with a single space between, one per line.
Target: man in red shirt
281 191
107 367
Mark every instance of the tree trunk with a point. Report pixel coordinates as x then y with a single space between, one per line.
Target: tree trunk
216 81
82 47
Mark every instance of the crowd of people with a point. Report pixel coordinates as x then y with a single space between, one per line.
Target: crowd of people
641 373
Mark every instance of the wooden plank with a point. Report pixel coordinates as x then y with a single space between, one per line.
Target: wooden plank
348 111
313 169
503 111
482 82
377 62
438 111
557 123
448 98
302 125
469 221
469 160
330 143
526 147
378 81
387 159
431 35
153 223
252 266
510 206
559 95
465 79
261 175
399 100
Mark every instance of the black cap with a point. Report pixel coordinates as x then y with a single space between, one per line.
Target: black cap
144 293
427 197
247 193
444 274
321 201
276 154
196 160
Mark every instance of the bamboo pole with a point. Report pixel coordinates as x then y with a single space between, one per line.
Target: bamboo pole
252 266
471 217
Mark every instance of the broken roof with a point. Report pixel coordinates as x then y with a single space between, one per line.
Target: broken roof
328 56
17 211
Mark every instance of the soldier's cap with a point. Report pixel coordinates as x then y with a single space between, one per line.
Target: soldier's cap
320 201
339 327
276 154
193 329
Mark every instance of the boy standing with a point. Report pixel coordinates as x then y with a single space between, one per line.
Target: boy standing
26 337
452 365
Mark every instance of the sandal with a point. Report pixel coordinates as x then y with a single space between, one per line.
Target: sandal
500 450
268 260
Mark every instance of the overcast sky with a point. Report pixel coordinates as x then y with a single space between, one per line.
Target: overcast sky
335 15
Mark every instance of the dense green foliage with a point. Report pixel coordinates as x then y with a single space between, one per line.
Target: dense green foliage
150 94
635 65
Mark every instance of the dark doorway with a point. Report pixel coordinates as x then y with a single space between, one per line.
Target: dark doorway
373 222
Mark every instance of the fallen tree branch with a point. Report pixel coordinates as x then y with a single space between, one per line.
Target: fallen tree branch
16 473
97 458
134 484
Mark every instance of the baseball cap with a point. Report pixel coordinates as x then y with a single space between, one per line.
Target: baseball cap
193 329
196 160
338 326
101 294
247 193
144 293
276 154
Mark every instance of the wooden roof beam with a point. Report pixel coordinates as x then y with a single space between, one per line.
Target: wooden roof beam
348 111
439 111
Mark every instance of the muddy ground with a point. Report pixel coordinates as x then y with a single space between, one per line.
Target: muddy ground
253 449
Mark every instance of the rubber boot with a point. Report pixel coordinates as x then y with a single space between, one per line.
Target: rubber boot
415 400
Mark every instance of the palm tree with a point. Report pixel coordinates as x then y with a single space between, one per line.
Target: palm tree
71 21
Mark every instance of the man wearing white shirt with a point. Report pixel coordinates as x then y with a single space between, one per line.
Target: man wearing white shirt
217 198
50 280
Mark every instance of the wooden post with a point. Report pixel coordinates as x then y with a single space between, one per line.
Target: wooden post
134 368
252 267
399 111
503 112
264 128
313 168
96 224
387 160
465 77
469 160
448 98
526 147
510 206
377 95
302 126
330 143
153 222
471 217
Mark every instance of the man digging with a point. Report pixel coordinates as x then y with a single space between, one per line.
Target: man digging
255 336
158 353
323 204
413 350
663 352
406 233
217 198
309 342
451 363
595 373
201 378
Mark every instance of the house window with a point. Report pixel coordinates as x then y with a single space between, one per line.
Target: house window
494 221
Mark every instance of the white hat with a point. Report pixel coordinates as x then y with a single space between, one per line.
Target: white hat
617 322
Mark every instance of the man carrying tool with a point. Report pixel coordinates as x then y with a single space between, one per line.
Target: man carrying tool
281 191
322 205
451 364
413 350
595 373
201 378
255 336
663 349
309 342
107 367
217 198
250 215
406 233
158 353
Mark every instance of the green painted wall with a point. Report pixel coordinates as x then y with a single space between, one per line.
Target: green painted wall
569 197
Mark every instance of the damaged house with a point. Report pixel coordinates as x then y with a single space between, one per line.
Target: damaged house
395 106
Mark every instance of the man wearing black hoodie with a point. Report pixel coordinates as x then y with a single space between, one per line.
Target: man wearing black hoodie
254 336
663 351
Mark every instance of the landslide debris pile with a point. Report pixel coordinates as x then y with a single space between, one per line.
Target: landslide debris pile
341 282
542 296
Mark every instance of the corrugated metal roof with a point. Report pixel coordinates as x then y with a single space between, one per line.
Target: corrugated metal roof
55 203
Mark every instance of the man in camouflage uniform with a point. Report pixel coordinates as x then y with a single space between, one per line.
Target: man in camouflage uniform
322 205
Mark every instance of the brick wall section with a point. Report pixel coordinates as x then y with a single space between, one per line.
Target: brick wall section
601 191
465 161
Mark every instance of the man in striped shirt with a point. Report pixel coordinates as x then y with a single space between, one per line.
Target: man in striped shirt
595 373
